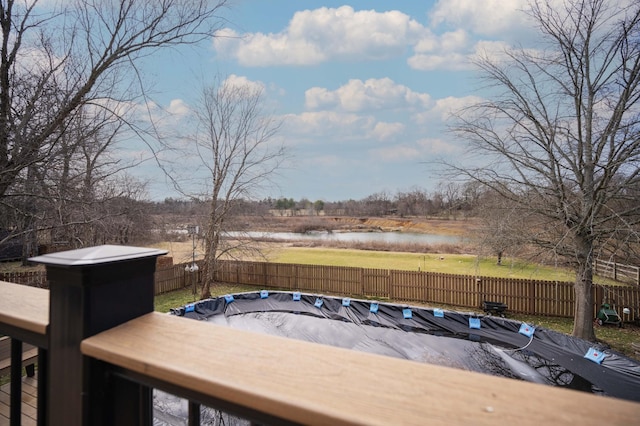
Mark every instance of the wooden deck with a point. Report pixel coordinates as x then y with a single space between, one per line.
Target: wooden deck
29 402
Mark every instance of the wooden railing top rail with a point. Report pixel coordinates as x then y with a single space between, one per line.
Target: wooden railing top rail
315 384
23 307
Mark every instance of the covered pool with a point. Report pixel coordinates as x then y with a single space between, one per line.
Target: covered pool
486 344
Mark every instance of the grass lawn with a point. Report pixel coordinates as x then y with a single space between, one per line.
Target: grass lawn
461 264
174 299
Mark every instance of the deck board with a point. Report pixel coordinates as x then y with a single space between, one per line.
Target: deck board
29 402
24 307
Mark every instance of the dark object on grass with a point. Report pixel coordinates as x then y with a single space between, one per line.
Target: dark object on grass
494 308
607 315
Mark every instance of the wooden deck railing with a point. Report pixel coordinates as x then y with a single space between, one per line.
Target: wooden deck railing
24 316
107 350
277 380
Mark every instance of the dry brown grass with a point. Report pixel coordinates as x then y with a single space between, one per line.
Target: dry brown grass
180 251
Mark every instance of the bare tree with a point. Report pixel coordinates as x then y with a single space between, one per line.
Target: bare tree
59 58
562 130
502 227
451 197
412 203
75 56
378 204
235 144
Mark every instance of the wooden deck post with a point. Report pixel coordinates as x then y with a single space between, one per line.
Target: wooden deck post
92 290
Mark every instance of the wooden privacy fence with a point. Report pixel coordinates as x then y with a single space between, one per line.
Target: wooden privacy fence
175 277
532 297
30 278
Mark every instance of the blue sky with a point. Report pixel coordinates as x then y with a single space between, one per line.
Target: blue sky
363 87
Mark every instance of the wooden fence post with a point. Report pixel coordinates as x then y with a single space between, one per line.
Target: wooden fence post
92 290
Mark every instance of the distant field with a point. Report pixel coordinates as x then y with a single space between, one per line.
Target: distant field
463 264
445 263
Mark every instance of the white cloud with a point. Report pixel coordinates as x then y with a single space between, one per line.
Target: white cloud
453 50
385 131
443 108
329 123
315 36
454 40
257 49
178 107
449 51
447 61
241 81
344 34
372 94
487 17
319 97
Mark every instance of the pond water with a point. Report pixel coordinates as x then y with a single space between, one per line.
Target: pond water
352 237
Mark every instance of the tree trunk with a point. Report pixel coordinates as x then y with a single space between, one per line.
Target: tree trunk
209 273
212 242
583 315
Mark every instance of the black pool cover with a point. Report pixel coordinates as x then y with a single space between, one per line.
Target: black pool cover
485 344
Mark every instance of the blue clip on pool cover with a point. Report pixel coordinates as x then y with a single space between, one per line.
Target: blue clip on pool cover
228 298
438 313
406 313
190 308
474 323
595 355
346 301
526 330
373 308
264 294
318 303
297 296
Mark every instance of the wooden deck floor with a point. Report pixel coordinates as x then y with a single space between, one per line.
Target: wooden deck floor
29 402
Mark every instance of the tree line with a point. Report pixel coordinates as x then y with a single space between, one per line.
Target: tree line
451 200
